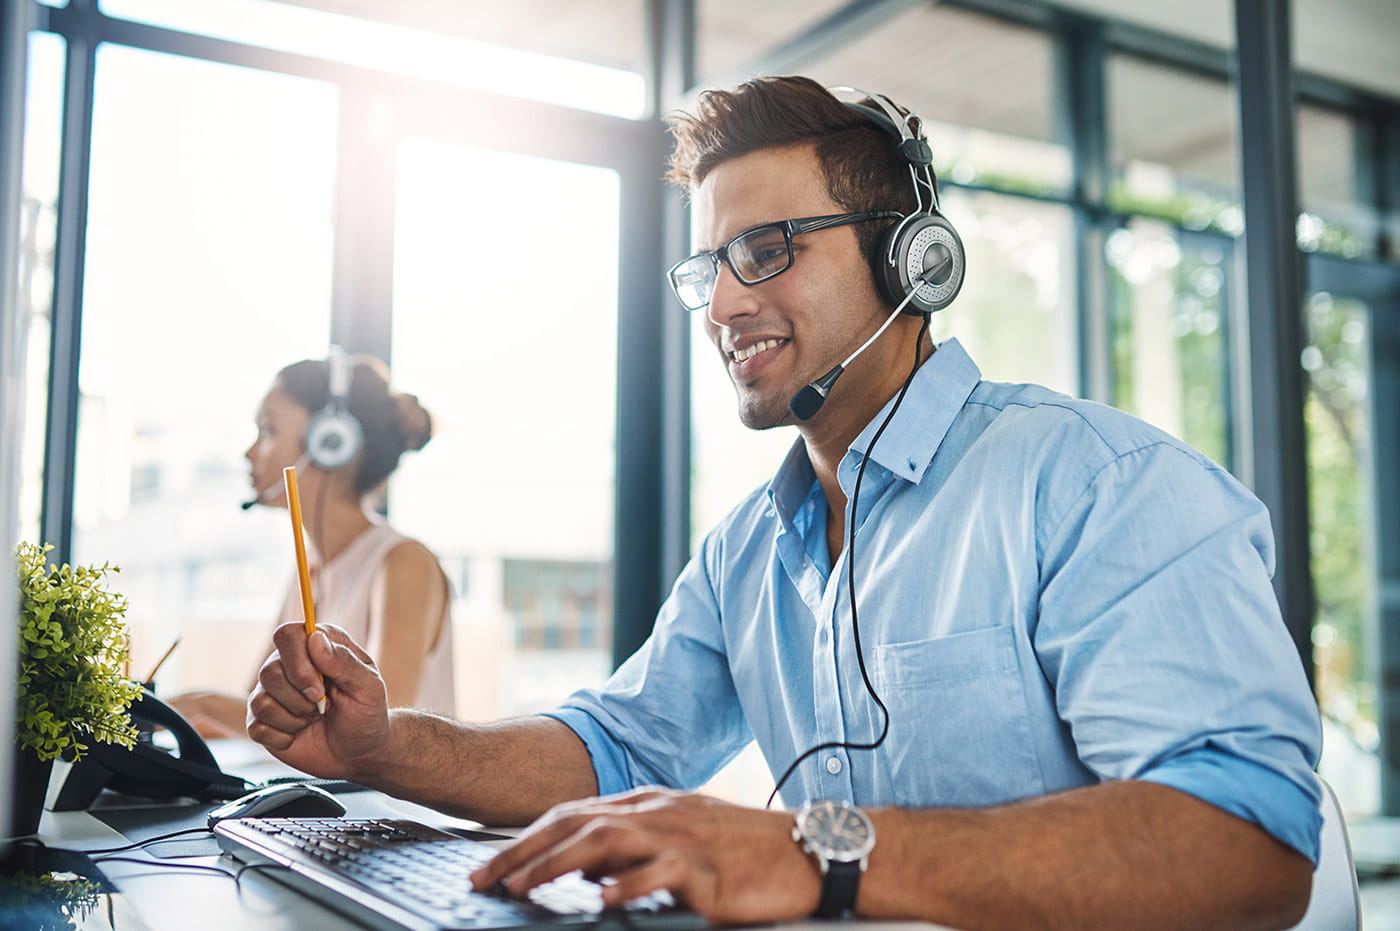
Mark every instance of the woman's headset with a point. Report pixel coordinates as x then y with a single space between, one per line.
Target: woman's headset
333 436
923 246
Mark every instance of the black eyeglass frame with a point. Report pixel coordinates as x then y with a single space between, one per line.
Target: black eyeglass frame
789 228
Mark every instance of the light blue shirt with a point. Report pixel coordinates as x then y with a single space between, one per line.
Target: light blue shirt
1050 593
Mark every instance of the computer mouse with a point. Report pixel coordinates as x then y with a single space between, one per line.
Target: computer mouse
284 800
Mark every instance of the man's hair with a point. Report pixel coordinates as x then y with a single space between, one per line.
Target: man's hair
860 160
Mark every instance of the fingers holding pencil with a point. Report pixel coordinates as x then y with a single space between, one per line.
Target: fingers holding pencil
282 711
302 669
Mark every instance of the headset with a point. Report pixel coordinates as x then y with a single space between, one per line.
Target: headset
923 246
333 436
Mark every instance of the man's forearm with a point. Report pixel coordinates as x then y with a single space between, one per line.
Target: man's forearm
506 773
1118 855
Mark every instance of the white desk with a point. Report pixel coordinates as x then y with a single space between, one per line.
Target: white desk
163 897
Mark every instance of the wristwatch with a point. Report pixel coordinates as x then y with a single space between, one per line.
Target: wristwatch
841 837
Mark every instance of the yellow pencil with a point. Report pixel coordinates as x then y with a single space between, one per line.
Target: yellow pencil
161 662
308 605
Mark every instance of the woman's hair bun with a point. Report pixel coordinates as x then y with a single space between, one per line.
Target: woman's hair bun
415 423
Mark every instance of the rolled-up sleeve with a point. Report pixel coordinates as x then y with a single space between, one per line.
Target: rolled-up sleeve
669 715
1160 632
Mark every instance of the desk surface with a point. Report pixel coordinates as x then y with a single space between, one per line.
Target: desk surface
157 895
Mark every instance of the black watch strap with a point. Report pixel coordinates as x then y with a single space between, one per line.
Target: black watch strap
839 887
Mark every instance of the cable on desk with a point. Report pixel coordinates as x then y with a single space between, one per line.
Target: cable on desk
150 840
235 875
167 864
258 866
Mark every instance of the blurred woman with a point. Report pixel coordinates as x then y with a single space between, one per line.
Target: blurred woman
386 590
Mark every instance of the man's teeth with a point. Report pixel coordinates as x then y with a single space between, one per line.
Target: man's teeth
743 355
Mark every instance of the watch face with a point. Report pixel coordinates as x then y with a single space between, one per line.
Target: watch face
837 831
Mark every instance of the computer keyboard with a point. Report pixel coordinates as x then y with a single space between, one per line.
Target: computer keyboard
391 873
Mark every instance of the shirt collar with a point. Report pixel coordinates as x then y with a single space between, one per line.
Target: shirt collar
938 392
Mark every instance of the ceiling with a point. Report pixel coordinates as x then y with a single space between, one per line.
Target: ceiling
1350 41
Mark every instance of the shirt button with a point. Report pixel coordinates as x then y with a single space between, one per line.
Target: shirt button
833 765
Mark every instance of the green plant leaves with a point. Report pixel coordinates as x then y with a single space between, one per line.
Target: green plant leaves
73 649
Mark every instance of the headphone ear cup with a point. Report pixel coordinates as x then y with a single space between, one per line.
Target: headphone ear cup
883 270
333 437
926 241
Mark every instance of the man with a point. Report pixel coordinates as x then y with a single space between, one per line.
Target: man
1060 691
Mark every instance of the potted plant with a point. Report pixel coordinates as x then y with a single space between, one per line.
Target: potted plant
73 652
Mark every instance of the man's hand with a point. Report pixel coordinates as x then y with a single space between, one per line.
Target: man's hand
733 865
283 716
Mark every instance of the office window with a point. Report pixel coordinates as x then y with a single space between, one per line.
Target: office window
558 605
1341 501
505 326
559 53
984 88
208 269
1169 315
34 306
1335 219
1015 314
1173 145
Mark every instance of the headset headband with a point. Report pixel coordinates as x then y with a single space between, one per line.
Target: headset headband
908 128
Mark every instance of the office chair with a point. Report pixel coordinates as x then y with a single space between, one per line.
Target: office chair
1336 897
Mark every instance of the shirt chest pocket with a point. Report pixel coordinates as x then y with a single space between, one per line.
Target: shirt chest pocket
960 730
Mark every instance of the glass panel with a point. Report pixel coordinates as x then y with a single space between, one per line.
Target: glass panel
1341 505
731 35
515 492
38 229
1335 220
988 104
1173 145
1170 311
434 55
1015 314
208 269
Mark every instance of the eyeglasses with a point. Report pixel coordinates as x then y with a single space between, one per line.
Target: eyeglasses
754 256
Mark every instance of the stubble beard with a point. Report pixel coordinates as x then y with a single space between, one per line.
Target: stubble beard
759 411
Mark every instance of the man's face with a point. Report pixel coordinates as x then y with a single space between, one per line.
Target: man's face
779 335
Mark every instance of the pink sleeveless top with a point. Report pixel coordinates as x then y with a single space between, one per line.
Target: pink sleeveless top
343 590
